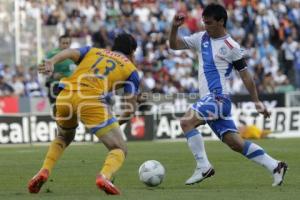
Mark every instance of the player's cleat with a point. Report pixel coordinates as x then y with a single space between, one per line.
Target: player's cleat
199 176
106 185
38 180
278 173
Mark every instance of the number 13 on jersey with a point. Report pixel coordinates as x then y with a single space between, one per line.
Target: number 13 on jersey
109 66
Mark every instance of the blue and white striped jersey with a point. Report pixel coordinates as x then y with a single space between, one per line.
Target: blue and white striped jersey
216 58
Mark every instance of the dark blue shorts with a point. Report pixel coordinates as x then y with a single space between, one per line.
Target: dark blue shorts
216 111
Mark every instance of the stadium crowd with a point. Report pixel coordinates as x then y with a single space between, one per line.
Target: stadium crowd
268 31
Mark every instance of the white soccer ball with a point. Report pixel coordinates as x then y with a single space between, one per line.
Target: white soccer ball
152 173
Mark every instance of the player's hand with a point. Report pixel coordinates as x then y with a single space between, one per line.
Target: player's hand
261 108
178 19
46 67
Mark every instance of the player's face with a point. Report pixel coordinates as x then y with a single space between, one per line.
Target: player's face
212 26
64 43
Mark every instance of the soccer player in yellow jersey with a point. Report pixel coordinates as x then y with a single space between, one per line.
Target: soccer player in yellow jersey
99 72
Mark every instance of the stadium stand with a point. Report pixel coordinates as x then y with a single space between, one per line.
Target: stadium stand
269 31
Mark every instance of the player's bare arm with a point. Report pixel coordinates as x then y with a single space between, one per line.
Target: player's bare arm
47 66
176 42
129 108
250 85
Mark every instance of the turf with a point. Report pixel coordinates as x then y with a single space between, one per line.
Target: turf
74 175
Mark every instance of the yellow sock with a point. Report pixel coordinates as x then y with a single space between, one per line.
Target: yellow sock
113 162
55 150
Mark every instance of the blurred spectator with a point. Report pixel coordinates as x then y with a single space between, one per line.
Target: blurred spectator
148 81
21 71
7 73
270 64
169 62
158 88
280 78
192 23
126 8
267 49
269 32
189 83
178 72
5 88
32 86
289 47
18 85
169 88
297 66
285 87
235 85
268 85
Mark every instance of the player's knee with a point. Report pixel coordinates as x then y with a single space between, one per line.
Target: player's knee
66 135
235 146
234 141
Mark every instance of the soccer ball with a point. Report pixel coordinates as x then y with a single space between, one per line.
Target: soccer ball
152 173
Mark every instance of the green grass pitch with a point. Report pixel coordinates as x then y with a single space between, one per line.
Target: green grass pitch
74 175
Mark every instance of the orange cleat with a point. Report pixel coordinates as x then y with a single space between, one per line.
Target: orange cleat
106 185
38 180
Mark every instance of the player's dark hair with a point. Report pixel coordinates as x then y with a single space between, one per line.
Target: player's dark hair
216 11
124 43
63 36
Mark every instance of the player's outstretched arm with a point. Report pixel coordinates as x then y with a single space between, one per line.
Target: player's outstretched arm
47 66
129 107
176 42
73 54
250 85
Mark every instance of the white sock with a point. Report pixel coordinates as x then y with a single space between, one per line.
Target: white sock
196 145
257 154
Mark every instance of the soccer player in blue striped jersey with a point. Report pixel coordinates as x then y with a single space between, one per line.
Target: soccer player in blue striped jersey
218 54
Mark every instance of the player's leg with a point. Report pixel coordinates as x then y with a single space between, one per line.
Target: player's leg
189 122
114 160
226 130
63 139
55 150
57 147
96 116
117 151
257 154
67 123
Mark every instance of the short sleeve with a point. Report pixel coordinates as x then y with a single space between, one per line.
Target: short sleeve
237 56
132 83
83 51
237 53
193 41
